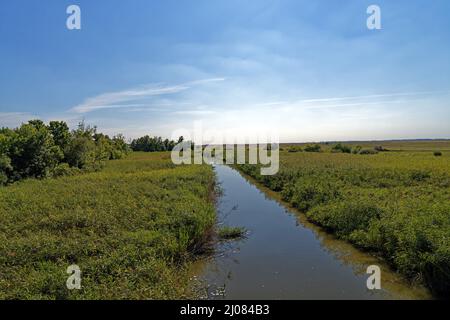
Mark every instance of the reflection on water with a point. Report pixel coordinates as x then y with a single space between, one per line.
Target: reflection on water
284 256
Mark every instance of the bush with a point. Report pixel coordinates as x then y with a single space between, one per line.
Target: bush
356 149
306 194
294 149
33 152
368 151
437 153
313 148
63 169
341 148
80 152
380 149
5 168
345 218
419 175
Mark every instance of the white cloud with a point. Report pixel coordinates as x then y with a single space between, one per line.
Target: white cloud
112 100
14 119
373 96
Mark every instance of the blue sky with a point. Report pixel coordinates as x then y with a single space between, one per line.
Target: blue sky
309 69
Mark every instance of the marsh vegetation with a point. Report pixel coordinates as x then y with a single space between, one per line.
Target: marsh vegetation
395 204
132 228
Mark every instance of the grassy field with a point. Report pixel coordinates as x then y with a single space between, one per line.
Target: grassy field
395 204
133 229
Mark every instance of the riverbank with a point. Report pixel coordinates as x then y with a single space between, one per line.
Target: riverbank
393 204
133 229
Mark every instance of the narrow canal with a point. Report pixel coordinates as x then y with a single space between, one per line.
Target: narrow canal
285 257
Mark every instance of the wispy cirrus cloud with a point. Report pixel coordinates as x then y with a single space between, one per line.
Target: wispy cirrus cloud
373 96
119 99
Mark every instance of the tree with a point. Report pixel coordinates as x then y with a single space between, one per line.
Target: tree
37 150
5 162
152 144
33 152
81 150
120 147
60 132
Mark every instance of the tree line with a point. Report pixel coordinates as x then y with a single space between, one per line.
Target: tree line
37 150
153 144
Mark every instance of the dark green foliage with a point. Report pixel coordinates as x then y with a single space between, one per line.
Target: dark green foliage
60 132
153 144
368 151
5 168
64 169
380 149
35 150
356 149
419 175
5 161
294 149
313 148
341 148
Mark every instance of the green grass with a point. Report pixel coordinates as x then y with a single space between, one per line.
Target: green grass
395 204
133 229
231 233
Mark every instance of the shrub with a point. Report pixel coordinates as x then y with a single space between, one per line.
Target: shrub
419 175
5 168
345 218
380 149
63 169
356 149
120 148
33 152
341 148
368 151
80 152
306 194
294 149
313 148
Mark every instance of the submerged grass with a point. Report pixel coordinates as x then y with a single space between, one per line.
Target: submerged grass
133 230
395 204
231 233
